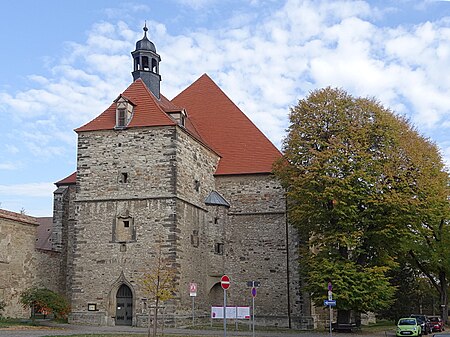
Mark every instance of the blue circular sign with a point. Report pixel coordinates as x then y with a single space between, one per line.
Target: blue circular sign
254 292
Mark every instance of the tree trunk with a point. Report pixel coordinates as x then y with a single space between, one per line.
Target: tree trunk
155 318
443 296
149 322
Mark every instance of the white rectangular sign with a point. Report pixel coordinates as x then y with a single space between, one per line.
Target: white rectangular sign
193 289
232 312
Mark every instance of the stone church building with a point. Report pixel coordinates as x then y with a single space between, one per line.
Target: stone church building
188 179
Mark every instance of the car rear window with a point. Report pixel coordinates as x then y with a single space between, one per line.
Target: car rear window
407 322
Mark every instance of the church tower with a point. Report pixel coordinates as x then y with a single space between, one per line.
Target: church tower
146 64
188 179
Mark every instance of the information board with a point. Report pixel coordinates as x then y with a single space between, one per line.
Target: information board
232 312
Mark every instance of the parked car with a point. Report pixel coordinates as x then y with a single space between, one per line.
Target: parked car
436 323
424 323
408 326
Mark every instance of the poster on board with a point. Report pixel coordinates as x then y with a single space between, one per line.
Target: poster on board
232 312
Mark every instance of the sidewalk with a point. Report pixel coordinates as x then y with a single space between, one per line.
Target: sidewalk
53 329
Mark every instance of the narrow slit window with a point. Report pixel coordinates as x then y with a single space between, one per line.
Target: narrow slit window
197 185
218 248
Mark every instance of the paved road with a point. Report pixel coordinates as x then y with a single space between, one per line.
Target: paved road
69 329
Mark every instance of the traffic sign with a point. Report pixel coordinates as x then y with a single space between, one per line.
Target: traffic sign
331 303
193 289
253 284
254 292
225 282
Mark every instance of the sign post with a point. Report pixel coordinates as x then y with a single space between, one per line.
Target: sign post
330 298
225 283
193 293
253 310
254 285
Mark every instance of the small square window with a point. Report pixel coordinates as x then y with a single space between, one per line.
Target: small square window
126 224
123 178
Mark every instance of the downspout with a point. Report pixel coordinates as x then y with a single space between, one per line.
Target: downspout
288 278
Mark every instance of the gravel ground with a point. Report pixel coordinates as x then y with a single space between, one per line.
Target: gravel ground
69 329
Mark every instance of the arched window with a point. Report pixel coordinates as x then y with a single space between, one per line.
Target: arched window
154 66
136 64
145 65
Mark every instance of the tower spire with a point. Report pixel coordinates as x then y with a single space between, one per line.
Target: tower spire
145 29
146 63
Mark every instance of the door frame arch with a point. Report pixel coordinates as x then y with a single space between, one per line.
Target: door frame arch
112 296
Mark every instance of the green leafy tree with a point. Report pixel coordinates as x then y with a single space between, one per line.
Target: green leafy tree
351 188
45 301
158 283
430 249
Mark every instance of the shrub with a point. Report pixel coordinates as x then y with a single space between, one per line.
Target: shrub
45 301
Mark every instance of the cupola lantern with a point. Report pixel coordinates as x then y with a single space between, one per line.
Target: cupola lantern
146 64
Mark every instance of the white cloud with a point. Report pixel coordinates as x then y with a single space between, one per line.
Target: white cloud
12 149
196 4
28 190
7 166
264 66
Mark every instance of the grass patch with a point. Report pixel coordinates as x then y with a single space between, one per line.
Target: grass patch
11 322
102 335
120 335
379 326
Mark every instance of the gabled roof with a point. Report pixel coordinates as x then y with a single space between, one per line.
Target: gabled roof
243 147
148 111
213 119
69 180
18 217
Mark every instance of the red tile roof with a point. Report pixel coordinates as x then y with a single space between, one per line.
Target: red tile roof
18 217
44 233
148 111
212 118
243 147
69 180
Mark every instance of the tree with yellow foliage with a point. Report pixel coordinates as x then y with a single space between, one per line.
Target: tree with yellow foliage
158 283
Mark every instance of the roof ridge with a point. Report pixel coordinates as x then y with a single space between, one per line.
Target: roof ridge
18 217
229 131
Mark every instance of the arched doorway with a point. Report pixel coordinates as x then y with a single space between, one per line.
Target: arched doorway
124 306
216 295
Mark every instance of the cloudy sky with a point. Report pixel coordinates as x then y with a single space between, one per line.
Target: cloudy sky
64 62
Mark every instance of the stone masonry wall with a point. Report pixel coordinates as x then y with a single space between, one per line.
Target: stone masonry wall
48 271
196 165
62 233
147 198
145 155
17 264
257 237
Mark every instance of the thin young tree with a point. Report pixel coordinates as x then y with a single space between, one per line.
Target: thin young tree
158 283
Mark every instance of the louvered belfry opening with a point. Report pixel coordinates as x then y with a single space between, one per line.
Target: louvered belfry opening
124 307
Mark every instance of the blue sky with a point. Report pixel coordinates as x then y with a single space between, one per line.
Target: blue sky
64 62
